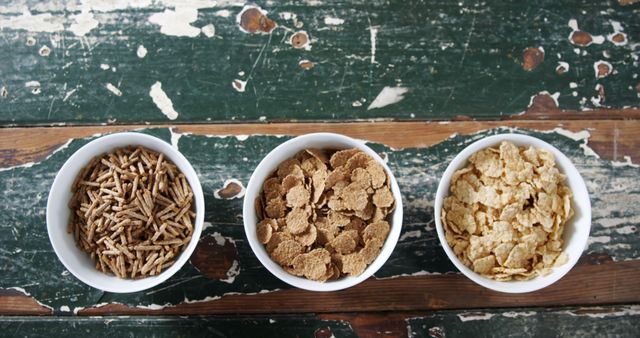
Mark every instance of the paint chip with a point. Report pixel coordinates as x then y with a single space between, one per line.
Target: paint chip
562 67
232 188
34 86
300 40
253 19
162 101
388 96
31 41
113 89
44 51
84 22
177 22
602 69
331 21
44 22
4 92
582 38
306 64
141 52
532 57
104 66
239 85
209 30
544 101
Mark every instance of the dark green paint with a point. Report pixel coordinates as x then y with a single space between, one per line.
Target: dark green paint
479 75
28 261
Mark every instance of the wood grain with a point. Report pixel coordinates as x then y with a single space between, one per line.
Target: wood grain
611 139
587 284
608 283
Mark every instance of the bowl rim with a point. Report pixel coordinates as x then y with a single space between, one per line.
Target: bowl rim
565 165
83 155
267 165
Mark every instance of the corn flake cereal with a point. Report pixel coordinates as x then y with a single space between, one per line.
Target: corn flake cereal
506 213
323 213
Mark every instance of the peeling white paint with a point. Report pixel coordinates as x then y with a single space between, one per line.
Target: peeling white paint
573 85
115 90
226 183
65 308
84 22
332 21
374 37
411 234
602 312
471 316
306 46
563 65
141 52
597 100
104 66
44 22
239 85
223 13
387 96
44 51
598 239
34 86
514 314
162 101
602 62
209 30
177 22
617 29
220 240
555 96
232 273
68 94
573 24
175 138
626 163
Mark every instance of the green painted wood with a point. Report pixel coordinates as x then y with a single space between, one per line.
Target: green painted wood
178 327
453 57
27 260
610 321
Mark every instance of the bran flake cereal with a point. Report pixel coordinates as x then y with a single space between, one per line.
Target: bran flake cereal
131 211
506 213
323 213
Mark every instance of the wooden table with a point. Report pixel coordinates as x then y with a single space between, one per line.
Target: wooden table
420 80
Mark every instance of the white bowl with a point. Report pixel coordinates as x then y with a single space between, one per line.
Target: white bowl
269 164
77 261
576 232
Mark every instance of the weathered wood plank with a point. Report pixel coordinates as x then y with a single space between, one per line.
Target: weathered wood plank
439 59
622 321
612 185
609 321
275 326
609 139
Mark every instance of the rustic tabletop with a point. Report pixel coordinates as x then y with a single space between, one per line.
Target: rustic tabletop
419 80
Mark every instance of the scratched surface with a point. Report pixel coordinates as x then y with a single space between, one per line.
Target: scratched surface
113 62
194 326
28 261
620 321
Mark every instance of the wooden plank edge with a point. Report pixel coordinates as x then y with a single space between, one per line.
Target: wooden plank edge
602 284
